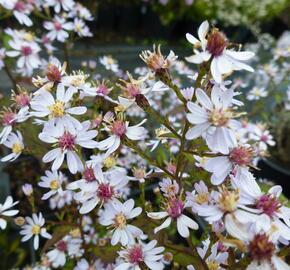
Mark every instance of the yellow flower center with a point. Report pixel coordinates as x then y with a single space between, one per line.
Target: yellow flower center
220 117
228 200
109 162
120 221
17 148
35 229
54 184
57 109
77 81
110 60
213 265
201 198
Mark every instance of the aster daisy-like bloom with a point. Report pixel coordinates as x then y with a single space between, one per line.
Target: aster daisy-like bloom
5 212
52 180
116 215
261 135
256 93
119 130
140 174
257 203
81 28
238 161
169 187
58 5
20 9
34 227
137 255
213 119
98 187
199 196
67 141
214 47
109 63
9 119
58 109
26 53
174 212
261 245
15 143
58 28
76 82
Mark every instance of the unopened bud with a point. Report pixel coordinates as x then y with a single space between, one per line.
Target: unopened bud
27 189
19 221
142 101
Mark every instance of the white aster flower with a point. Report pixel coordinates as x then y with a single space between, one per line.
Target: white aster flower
20 9
117 214
67 140
15 143
81 28
138 254
174 211
256 93
120 129
214 47
4 212
52 180
27 54
261 245
109 63
213 119
98 187
58 28
34 227
58 110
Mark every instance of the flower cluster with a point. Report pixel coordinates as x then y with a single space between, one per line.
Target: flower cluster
118 155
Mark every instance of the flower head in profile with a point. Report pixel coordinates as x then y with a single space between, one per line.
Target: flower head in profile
141 254
5 212
116 215
34 227
156 61
214 46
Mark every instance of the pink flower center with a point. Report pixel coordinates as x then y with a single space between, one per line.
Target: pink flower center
105 192
26 50
119 128
103 89
57 26
269 204
216 43
175 207
53 73
88 174
135 255
261 248
241 156
8 118
20 6
66 141
132 90
264 138
61 246
22 100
